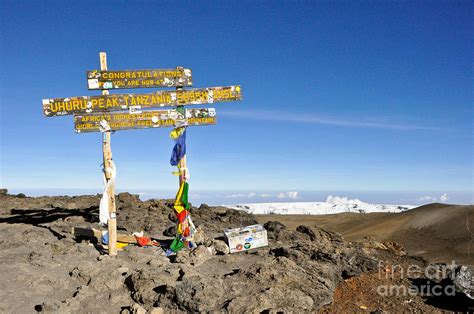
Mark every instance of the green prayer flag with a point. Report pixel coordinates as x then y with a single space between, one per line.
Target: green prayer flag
177 245
184 197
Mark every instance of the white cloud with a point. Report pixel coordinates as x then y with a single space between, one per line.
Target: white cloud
291 195
427 198
237 195
281 195
336 200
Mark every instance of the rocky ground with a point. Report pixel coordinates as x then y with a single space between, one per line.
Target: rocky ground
46 269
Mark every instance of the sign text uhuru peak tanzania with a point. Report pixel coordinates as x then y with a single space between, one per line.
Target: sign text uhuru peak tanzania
139 78
145 119
118 102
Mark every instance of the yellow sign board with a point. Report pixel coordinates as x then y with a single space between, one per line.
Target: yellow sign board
146 119
97 79
121 102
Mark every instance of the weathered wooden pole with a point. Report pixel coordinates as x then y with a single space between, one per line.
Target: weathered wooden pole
108 169
182 162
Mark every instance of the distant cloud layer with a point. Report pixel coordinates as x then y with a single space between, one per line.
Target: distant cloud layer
290 195
341 200
282 195
294 195
429 198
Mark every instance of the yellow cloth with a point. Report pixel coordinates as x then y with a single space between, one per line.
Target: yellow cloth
179 172
121 245
177 132
178 203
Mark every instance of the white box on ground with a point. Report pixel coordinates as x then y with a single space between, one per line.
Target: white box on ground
246 238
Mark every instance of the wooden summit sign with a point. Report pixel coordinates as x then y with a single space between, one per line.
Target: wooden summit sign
107 113
121 102
145 119
98 79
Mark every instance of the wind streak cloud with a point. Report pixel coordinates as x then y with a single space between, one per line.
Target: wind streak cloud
316 119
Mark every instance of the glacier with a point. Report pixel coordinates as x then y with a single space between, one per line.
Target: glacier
332 205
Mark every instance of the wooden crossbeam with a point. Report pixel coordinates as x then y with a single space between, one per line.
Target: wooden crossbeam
120 102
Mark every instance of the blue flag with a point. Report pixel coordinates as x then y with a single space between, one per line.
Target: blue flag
179 149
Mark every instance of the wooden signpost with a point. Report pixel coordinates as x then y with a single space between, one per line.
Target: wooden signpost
139 78
121 102
146 119
107 113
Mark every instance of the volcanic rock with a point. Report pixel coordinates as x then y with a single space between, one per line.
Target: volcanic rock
298 272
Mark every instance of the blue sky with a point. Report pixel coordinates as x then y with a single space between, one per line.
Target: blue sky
338 96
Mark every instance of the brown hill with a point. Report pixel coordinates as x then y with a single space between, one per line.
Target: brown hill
438 232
